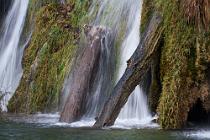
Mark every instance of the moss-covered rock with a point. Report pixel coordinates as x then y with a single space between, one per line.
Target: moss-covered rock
184 59
183 80
147 10
153 85
48 57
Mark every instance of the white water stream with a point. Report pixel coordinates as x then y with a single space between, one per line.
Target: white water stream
10 51
135 112
123 18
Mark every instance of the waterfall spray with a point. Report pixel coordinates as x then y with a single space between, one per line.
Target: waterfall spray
10 51
123 18
135 111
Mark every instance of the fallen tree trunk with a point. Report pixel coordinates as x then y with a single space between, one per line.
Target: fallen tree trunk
84 74
137 66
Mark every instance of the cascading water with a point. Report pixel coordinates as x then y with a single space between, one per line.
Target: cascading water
112 15
123 17
10 51
135 112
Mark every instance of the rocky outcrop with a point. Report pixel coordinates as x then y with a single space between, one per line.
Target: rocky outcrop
180 81
184 59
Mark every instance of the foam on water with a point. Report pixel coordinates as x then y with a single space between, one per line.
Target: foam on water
52 120
82 123
201 134
135 123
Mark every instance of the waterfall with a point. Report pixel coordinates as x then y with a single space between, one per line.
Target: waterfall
135 111
113 14
110 15
123 18
10 51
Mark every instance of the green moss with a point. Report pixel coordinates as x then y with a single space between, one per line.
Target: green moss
181 83
147 10
154 89
48 58
174 72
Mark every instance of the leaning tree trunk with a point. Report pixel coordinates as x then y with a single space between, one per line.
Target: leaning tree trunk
83 75
137 66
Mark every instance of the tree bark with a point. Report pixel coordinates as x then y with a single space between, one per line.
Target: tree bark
137 66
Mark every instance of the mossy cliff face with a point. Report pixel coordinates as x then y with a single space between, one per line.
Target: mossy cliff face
147 11
48 57
184 59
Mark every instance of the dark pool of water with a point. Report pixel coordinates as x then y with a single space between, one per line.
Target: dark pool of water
26 131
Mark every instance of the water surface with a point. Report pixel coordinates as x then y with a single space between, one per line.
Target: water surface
43 131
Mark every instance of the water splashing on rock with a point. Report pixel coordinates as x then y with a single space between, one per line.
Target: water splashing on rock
135 110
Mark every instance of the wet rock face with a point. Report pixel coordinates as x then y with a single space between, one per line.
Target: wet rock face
84 74
198 115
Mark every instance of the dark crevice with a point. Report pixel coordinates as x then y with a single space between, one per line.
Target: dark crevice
198 115
208 73
146 82
4 7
